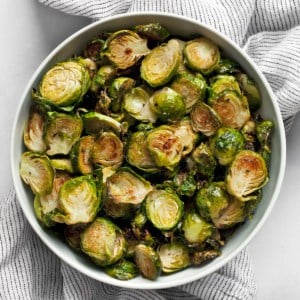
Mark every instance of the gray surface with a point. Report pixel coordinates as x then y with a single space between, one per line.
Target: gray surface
34 30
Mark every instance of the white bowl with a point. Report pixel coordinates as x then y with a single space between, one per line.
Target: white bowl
180 26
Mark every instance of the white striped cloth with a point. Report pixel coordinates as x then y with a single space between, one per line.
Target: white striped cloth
270 32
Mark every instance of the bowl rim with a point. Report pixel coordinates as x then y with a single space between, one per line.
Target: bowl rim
155 284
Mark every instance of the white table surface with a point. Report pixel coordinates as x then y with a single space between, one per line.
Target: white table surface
29 31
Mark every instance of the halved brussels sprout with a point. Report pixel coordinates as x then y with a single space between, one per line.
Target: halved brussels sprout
235 212
181 68
124 48
138 154
107 150
139 229
106 172
164 209
103 242
78 202
62 164
94 123
36 171
215 205
116 91
204 119
184 131
122 270
168 105
124 191
45 204
159 66
199 257
81 155
221 83
226 66
94 48
205 161
225 144
195 229
251 91
147 261
72 235
201 55
165 147
174 257
102 77
232 109
65 83
61 132
247 173
184 184
34 129
152 31
191 86
136 103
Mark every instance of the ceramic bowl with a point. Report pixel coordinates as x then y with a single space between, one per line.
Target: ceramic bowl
184 27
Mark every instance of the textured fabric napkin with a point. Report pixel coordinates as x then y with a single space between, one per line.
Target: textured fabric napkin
270 33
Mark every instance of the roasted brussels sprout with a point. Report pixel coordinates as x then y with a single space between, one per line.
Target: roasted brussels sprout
215 205
165 147
232 109
247 173
65 83
174 257
187 136
72 235
61 132
195 229
164 209
225 144
138 154
201 55
223 83
147 261
248 131
184 184
62 164
168 105
44 205
263 132
103 242
116 91
34 129
36 171
81 155
204 160
94 48
137 104
102 77
204 119
160 65
199 257
124 48
191 87
251 91
94 123
152 31
122 270
78 201
124 191
227 66
107 150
